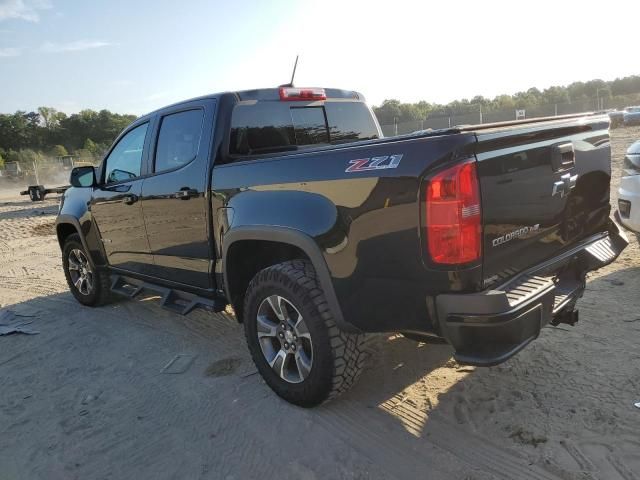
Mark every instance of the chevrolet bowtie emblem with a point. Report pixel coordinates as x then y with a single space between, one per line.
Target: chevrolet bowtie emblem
564 185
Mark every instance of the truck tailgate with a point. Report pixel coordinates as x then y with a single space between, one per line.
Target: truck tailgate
544 188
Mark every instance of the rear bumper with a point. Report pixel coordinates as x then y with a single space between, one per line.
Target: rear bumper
489 327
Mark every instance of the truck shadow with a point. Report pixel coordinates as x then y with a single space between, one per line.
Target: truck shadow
562 404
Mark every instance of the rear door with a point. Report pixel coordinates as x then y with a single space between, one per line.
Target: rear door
115 203
174 194
544 188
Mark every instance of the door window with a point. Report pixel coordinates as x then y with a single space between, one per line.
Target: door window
125 160
178 140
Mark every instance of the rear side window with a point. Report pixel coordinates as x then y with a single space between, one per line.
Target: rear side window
178 140
269 127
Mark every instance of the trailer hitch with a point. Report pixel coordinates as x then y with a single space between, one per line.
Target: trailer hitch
568 316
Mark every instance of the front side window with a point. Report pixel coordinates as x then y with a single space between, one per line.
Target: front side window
178 140
125 160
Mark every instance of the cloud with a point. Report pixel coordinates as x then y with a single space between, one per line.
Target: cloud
10 52
77 46
27 10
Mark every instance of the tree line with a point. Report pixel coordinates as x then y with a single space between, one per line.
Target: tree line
392 111
32 136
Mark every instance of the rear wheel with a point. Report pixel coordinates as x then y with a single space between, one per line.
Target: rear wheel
88 285
293 338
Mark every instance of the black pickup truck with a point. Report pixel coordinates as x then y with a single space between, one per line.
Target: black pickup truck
287 204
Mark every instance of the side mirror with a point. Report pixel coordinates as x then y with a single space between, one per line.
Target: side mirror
83 177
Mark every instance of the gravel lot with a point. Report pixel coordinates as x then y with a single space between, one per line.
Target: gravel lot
133 391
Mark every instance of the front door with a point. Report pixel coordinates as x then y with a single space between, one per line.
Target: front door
116 206
174 200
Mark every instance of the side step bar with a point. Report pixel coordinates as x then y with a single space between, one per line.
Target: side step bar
175 300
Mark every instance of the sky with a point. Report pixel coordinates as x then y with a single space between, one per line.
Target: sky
138 55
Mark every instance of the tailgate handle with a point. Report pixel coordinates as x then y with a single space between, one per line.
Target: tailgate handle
563 157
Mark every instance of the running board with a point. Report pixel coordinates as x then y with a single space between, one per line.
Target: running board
175 300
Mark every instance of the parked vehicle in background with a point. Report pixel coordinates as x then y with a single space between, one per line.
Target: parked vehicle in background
287 204
631 116
629 191
616 117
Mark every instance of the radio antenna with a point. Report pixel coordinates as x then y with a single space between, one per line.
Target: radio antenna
290 84
294 71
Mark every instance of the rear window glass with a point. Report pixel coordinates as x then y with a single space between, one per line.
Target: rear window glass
269 127
309 125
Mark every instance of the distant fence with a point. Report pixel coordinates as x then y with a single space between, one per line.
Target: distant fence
446 119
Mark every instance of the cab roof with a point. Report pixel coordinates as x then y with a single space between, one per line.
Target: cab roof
260 94
273 94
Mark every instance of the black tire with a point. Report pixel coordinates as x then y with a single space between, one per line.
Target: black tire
338 357
100 291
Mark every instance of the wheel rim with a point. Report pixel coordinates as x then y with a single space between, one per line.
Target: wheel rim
284 339
80 271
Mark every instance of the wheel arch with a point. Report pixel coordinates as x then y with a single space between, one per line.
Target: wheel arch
277 244
66 225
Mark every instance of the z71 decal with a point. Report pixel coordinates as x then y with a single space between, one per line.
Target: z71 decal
374 163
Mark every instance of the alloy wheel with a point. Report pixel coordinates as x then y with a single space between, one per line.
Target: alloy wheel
80 271
284 339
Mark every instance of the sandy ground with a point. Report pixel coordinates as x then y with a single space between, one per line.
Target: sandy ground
133 391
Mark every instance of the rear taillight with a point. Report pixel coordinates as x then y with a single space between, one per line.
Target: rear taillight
453 215
292 93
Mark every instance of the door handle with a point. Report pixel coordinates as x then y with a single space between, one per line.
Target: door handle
129 199
186 193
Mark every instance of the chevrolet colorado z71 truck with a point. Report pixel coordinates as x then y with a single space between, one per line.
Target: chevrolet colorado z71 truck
287 204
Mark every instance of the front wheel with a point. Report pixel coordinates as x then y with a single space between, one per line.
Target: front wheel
88 285
293 338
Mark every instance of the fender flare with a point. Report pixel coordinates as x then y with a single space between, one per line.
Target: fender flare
65 219
297 239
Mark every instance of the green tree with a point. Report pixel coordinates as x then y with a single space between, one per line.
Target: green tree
410 112
49 116
556 95
504 102
1 162
11 155
84 155
90 146
388 112
59 151
480 100
27 157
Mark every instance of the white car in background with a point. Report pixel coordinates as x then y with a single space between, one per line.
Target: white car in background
629 191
